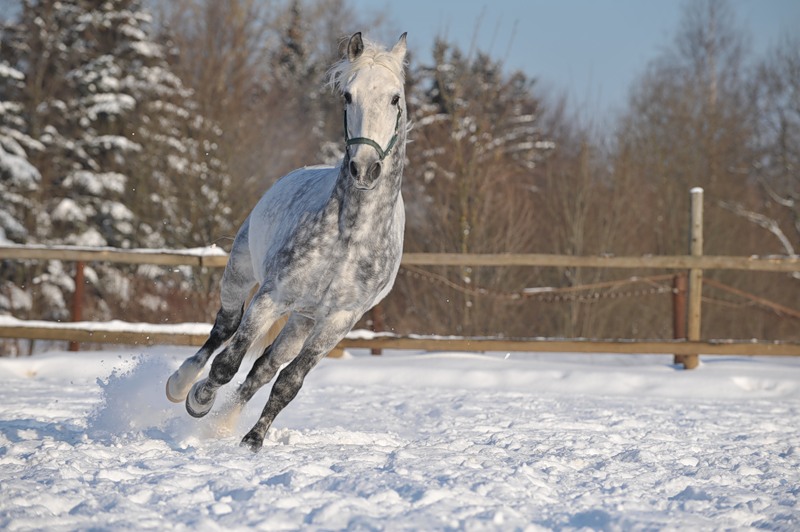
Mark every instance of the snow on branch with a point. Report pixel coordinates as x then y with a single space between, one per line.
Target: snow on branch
763 221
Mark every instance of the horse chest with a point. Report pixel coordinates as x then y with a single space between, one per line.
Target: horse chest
329 271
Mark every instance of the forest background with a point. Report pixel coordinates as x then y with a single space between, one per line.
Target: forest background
158 124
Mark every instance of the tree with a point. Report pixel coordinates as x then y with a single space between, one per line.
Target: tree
477 140
19 179
777 168
125 159
687 123
693 120
258 70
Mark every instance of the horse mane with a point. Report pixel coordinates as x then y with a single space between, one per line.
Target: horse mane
373 55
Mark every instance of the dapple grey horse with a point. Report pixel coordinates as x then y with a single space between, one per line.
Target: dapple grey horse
323 245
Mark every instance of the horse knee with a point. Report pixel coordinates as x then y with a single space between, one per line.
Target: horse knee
227 321
286 386
227 363
264 368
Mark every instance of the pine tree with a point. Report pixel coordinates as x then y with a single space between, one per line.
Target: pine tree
18 177
123 158
124 147
129 149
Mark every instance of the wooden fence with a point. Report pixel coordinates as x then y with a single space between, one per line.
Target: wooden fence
686 303
147 334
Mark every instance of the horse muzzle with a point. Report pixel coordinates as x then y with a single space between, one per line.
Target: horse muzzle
365 174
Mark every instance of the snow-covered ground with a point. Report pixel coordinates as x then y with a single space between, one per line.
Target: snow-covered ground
407 441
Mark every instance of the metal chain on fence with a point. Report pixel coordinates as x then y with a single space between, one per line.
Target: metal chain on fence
579 293
550 294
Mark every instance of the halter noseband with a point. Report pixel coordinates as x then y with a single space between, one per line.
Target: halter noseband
364 140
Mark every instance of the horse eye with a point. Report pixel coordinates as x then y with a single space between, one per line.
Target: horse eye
395 99
348 97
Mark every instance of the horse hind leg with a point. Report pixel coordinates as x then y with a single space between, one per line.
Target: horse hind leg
285 347
286 386
237 282
261 314
282 350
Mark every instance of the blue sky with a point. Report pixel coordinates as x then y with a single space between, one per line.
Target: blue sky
591 49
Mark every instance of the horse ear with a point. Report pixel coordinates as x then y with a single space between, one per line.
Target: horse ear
400 48
355 47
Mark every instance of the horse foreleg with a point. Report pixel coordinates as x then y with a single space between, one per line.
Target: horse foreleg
179 382
288 383
261 314
291 378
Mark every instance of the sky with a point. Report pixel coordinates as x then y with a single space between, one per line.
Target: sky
592 50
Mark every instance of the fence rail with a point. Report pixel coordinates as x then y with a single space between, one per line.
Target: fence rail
196 334
214 257
210 257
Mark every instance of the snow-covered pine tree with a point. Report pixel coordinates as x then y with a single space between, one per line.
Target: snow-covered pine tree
125 159
18 177
137 168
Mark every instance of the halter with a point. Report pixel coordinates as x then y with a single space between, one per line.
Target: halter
364 140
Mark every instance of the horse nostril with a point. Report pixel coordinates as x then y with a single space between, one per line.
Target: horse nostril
353 169
375 171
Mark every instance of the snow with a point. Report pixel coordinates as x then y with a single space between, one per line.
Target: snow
18 170
115 142
7 71
112 326
147 49
108 103
67 210
14 298
426 441
90 237
96 183
10 227
118 212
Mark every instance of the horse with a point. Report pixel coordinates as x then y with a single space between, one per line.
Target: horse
322 245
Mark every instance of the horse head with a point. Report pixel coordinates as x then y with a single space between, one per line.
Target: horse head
371 81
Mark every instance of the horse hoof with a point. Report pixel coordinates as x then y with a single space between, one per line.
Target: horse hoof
252 441
174 392
194 407
179 382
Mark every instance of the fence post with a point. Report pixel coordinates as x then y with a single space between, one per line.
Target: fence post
77 300
695 297
679 287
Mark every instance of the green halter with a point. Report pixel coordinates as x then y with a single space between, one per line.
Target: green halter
364 140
